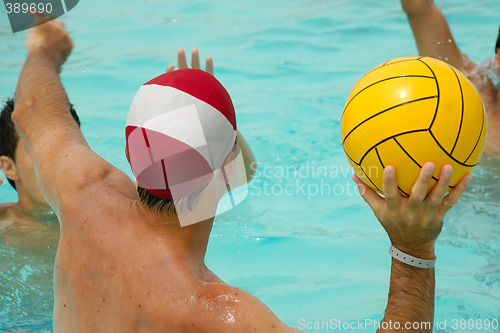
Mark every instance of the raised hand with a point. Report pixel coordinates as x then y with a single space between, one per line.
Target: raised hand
51 38
195 62
413 224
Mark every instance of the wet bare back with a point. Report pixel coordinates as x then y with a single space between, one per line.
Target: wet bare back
119 269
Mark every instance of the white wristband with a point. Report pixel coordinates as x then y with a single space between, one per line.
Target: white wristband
410 260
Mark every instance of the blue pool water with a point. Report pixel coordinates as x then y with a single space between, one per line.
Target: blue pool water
303 241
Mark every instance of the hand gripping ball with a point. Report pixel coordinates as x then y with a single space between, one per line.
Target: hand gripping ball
409 111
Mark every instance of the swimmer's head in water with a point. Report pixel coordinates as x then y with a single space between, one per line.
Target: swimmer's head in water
181 126
8 135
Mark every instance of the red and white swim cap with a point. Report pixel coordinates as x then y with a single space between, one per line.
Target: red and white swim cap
180 128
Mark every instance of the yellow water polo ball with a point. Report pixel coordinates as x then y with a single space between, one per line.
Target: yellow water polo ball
409 111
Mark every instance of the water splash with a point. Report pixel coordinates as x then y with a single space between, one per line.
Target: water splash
486 70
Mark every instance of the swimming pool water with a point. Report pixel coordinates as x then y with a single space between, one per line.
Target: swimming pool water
303 241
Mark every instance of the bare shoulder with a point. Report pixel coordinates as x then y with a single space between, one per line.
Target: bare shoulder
89 176
230 309
479 73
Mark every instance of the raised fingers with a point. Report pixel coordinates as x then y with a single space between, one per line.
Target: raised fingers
452 198
419 189
195 59
209 65
39 18
181 59
371 197
170 68
440 189
390 187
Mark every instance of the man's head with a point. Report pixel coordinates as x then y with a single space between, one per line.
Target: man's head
16 162
181 128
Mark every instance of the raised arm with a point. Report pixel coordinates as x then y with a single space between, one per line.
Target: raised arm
63 161
432 33
246 151
413 225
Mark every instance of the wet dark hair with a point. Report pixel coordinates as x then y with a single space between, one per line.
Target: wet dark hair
498 42
8 135
152 201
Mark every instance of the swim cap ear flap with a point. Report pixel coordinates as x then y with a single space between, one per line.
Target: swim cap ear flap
180 128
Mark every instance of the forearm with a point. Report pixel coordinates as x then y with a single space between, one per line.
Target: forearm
42 118
431 31
40 97
413 225
415 7
410 306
